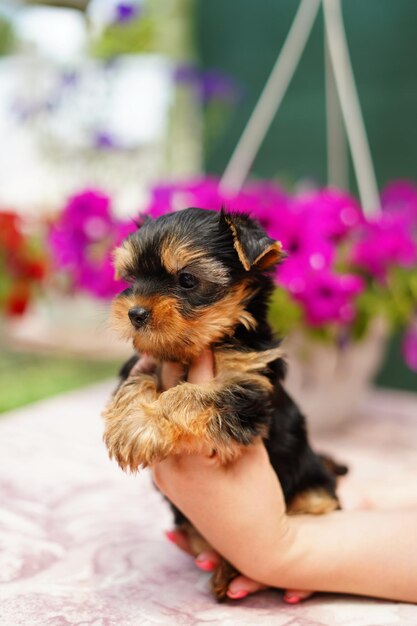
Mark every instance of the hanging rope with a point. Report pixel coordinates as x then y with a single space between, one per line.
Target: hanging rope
351 110
272 94
271 97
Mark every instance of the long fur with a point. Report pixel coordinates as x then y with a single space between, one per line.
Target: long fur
231 259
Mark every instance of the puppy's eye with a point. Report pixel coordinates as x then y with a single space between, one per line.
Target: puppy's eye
187 281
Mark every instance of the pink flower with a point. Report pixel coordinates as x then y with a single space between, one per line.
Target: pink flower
303 240
82 240
400 197
174 197
328 297
385 242
262 200
334 210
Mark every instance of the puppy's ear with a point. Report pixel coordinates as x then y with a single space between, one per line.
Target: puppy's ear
123 255
253 246
121 258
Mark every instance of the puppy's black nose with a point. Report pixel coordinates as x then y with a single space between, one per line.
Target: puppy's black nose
138 316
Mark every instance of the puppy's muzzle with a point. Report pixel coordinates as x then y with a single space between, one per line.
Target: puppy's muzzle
138 316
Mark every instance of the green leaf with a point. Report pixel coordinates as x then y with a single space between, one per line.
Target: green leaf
284 313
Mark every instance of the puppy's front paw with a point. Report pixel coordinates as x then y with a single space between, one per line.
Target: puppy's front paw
134 438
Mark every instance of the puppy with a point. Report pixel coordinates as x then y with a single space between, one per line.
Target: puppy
201 279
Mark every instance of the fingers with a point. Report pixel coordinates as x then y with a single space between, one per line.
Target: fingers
293 596
242 586
171 374
144 365
207 560
180 539
202 370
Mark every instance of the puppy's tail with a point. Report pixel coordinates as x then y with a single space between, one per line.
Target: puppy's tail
334 467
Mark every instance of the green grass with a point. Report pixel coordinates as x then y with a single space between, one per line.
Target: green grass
25 378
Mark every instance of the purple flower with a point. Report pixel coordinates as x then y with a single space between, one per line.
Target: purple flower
209 84
216 85
82 239
383 243
103 140
409 346
126 12
69 78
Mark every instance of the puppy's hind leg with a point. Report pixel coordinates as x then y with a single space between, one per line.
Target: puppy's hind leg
223 573
313 501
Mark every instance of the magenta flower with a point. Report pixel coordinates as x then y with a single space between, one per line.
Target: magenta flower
328 297
383 243
334 211
321 230
262 200
304 241
82 240
173 197
400 197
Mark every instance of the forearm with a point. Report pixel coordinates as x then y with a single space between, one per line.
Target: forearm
360 552
240 510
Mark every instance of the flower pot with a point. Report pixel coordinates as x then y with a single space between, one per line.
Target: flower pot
328 381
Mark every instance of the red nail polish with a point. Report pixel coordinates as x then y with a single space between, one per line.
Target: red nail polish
292 599
206 566
171 536
237 595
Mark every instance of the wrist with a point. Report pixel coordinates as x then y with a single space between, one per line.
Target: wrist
275 557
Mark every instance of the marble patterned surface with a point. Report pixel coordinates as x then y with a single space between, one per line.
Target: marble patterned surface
82 544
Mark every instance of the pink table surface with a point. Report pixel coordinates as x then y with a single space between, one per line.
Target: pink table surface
82 543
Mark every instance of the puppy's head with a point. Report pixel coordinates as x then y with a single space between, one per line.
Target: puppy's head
191 274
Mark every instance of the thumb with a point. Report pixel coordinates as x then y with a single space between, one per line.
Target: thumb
202 369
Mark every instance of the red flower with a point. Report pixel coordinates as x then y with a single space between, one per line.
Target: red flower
21 266
18 301
10 236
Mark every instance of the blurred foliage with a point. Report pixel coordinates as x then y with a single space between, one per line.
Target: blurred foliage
284 313
71 4
133 37
161 26
26 378
6 36
395 301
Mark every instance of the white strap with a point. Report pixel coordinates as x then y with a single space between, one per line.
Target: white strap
270 99
242 159
351 110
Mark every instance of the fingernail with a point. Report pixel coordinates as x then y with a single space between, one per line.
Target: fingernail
206 566
292 599
171 536
238 594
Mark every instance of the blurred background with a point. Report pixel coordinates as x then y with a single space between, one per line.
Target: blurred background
109 109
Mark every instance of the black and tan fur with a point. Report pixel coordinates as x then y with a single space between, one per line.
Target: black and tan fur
229 258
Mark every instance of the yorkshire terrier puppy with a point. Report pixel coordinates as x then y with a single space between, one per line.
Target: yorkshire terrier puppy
201 279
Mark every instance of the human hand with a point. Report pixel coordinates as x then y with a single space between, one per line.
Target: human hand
198 485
